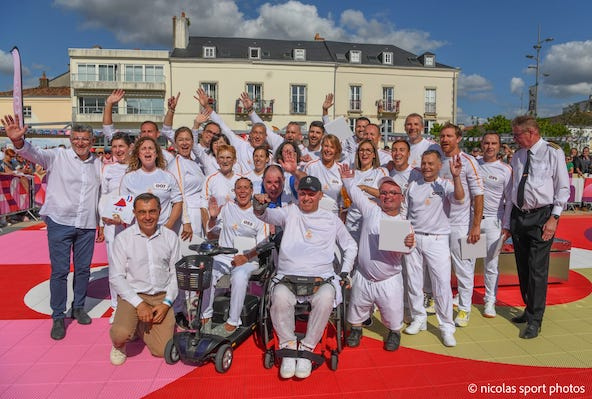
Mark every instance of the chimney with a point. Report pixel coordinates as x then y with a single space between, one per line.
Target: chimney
318 38
43 81
180 31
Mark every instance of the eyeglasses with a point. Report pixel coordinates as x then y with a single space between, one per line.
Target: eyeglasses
385 193
365 150
81 139
100 153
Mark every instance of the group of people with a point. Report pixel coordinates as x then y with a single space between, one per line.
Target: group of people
328 192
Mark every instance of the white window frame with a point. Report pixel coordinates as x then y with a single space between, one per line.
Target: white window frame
27 111
355 56
428 125
352 123
432 62
255 57
387 126
387 58
209 52
299 54
355 97
298 92
207 87
430 99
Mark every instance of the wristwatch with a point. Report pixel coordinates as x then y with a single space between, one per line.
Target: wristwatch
556 217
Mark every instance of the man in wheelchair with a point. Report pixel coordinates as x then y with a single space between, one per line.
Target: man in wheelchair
306 255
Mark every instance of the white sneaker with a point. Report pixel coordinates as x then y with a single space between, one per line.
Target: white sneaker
117 356
303 366
462 318
448 339
416 326
288 367
489 310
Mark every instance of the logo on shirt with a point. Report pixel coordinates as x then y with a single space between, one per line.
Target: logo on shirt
247 223
494 178
161 186
308 234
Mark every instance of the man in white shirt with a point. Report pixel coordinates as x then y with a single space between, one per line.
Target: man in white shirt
70 212
497 183
143 274
378 278
414 129
425 203
465 218
372 132
307 250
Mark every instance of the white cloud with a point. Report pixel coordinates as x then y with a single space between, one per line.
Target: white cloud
150 22
475 87
5 63
569 66
516 86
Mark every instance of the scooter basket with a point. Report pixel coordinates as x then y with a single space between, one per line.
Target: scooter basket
194 272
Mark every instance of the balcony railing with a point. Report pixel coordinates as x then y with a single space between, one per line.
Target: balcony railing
430 108
263 108
387 109
115 77
355 106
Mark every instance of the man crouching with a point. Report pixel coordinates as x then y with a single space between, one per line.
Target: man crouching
143 273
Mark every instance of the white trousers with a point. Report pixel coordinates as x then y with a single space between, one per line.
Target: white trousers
386 294
434 252
282 314
491 227
110 232
463 268
239 282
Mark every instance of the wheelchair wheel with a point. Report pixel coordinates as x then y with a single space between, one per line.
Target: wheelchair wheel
268 359
171 353
334 361
223 359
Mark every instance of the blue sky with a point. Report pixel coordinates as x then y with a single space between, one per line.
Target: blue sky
488 41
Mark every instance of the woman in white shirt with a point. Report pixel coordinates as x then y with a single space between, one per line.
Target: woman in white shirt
367 173
191 180
220 184
208 159
261 158
111 176
147 174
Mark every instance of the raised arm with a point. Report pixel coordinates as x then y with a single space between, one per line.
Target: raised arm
167 126
113 99
455 169
274 139
328 103
16 134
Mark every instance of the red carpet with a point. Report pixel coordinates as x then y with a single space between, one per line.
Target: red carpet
370 372
578 229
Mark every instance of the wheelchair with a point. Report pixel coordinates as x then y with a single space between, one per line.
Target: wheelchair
332 340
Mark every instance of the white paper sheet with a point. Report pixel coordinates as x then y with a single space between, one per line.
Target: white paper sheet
392 235
115 204
473 251
339 128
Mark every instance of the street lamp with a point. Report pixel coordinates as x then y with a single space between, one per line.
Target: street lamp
534 94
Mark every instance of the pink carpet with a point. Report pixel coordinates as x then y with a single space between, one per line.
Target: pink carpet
29 247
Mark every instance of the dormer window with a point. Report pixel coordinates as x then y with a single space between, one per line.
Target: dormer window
255 53
387 58
355 56
429 60
299 54
209 52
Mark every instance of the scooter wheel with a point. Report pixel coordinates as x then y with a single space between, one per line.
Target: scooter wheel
334 361
268 359
223 358
171 353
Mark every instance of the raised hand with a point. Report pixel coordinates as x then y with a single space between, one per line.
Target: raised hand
202 98
289 163
213 207
345 171
246 100
455 166
328 103
13 130
172 102
202 117
115 97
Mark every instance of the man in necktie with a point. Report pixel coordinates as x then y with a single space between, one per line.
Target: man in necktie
540 189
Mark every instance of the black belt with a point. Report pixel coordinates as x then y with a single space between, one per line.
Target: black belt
529 211
428 234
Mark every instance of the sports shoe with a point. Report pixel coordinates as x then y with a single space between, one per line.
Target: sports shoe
393 341
81 316
489 310
117 356
455 300
430 304
58 330
416 326
448 339
355 335
462 318
288 367
303 366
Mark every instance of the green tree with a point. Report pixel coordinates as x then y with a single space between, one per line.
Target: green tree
498 124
